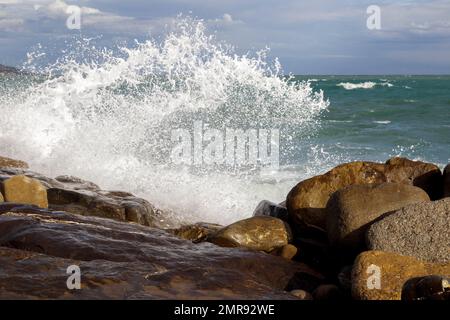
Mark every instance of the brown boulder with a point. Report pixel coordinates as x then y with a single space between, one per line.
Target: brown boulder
261 233
22 189
351 210
306 202
128 261
11 163
393 270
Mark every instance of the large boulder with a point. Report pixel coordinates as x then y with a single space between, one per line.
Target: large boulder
421 230
127 261
447 181
351 210
378 275
306 202
22 189
261 233
11 163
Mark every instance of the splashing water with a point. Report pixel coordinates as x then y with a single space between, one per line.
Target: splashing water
106 116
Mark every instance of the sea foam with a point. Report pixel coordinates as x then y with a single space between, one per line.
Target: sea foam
106 116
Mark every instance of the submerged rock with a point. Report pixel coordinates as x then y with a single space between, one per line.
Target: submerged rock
22 189
306 202
257 233
127 261
11 163
351 210
420 230
378 275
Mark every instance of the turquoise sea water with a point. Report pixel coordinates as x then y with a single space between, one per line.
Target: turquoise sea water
383 116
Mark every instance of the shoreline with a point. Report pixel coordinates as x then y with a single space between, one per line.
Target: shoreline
319 244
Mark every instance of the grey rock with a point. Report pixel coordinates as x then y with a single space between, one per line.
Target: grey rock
421 230
351 210
267 208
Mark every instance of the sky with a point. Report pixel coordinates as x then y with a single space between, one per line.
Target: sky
308 37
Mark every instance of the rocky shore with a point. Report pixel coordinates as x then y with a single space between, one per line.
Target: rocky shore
364 230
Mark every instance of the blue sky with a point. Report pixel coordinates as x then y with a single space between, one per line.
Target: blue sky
308 37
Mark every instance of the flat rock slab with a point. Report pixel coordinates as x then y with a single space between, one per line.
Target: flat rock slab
394 272
420 230
128 261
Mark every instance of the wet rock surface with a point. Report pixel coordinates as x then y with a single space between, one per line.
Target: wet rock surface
127 261
261 233
75 195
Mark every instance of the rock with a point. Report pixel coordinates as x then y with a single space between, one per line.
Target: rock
447 181
128 261
22 189
351 210
327 292
6 173
421 230
11 163
71 182
393 270
267 208
427 288
306 202
302 294
426 176
287 252
113 205
256 233
196 232
75 195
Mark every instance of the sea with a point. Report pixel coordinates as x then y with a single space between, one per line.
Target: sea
109 116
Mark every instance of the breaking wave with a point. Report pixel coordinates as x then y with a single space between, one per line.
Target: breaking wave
106 115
